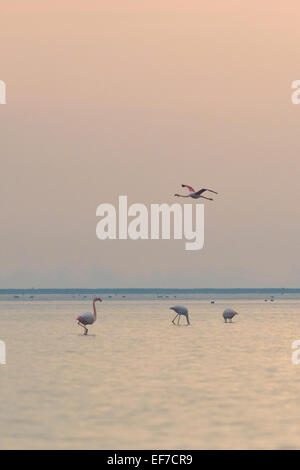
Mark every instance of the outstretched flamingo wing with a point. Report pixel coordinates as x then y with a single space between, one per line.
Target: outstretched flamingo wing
200 192
189 187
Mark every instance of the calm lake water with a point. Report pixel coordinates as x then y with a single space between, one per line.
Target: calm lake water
138 382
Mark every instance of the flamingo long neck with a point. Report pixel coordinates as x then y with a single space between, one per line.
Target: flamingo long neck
94 307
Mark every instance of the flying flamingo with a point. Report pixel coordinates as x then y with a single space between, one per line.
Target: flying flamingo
196 194
228 314
88 318
180 310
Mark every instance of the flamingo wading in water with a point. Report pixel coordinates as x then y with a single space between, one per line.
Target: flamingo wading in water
228 314
196 194
180 310
88 318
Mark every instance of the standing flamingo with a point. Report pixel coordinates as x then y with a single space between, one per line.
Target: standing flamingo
180 310
196 194
228 314
88 318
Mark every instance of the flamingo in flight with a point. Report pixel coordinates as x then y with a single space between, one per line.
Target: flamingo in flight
180 310
228 314
196 194
88 318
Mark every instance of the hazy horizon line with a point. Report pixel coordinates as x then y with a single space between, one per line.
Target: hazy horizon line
152 289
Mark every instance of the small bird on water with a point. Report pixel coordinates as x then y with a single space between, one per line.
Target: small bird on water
180 310
228 314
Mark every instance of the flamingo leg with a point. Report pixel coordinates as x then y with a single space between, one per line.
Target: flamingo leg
85 329
188 321
208 198
178 319
174 318
211 191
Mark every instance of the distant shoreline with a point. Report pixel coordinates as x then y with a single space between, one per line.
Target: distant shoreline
153 291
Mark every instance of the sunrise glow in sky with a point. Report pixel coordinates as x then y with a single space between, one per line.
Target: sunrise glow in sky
135 98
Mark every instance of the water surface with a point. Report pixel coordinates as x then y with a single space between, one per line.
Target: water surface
137 382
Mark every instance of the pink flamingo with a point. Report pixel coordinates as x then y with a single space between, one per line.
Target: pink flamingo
180 310
196 194
88 318
228 314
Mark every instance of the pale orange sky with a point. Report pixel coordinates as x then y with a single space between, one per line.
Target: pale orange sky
136 97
